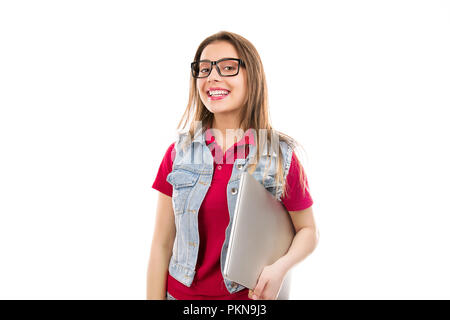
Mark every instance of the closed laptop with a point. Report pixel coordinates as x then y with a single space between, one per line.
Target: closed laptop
261 233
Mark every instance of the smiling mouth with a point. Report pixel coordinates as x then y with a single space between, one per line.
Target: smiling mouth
221 93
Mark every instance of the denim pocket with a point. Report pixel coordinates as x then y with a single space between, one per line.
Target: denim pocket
182 178
270 184
183 182
269 181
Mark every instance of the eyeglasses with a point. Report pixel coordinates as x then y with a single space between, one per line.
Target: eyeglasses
227 67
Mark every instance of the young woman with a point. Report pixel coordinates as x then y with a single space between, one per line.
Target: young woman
198 178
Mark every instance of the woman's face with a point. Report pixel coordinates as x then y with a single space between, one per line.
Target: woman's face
236 85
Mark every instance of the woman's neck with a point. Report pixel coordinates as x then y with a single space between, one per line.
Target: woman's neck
221 124
224 122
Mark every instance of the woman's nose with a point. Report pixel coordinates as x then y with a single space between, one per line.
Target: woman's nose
214 74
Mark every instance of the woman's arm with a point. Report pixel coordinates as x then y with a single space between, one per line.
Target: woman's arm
161 249
305 240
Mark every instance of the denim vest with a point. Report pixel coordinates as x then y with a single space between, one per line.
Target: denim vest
191 176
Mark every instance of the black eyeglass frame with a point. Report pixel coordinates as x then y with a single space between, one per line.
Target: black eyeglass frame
214 63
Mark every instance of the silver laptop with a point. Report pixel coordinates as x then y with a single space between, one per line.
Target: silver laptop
261 233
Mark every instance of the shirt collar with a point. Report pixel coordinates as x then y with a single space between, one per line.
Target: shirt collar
248 137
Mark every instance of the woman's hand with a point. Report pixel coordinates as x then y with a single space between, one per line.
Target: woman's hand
269 283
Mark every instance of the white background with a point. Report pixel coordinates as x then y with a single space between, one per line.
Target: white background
91 93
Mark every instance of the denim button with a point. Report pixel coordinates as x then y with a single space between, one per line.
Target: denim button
233 190
240 166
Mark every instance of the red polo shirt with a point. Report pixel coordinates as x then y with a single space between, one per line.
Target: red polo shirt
213 218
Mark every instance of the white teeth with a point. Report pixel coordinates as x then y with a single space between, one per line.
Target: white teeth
218 92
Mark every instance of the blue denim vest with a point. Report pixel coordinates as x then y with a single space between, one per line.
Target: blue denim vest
191 177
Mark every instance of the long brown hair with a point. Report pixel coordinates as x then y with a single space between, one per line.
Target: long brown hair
255 111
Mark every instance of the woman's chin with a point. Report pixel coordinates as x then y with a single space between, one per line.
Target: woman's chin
220 109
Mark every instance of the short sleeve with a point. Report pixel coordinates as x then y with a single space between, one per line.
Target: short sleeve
165 168
297 196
